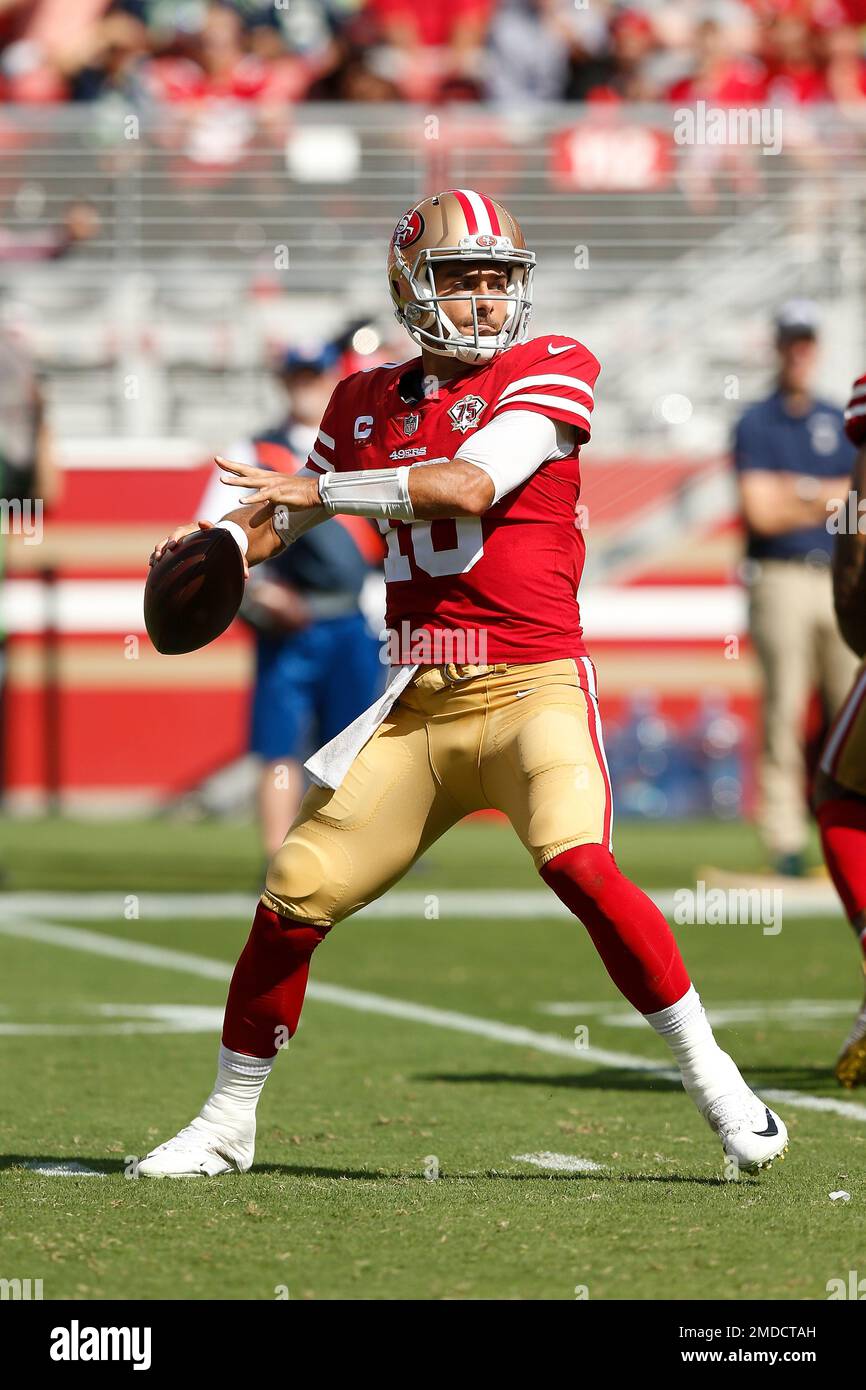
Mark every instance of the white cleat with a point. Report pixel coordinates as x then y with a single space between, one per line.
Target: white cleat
199 1151
751 1133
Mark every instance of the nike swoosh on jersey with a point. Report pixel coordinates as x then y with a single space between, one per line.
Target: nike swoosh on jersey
553 351
771 1130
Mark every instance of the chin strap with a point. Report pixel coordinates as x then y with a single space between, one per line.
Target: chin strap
380 493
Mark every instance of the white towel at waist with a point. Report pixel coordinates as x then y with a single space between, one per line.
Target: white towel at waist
329 765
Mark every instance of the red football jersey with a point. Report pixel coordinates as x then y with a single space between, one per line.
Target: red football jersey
507 581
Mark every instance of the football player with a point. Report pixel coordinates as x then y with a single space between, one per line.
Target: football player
468 455
840 787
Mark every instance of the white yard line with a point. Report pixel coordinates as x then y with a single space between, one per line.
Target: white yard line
796 1013
120 907
166 958
61 1169
129 907
559 1163
477 903
99 944
132 1018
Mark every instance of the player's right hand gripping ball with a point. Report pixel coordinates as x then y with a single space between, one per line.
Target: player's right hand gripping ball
194 591
855 412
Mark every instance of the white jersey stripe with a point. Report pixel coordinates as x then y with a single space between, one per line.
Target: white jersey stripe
843 724
560 402
548 379
590 677
855 411
326 440
859 392
477 204
322 462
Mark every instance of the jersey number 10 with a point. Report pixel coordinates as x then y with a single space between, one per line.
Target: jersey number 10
456 559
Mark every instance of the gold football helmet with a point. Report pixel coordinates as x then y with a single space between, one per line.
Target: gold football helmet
460 225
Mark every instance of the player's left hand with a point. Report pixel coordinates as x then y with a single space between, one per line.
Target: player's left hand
295 493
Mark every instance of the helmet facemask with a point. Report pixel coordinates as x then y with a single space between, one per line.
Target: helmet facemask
426 321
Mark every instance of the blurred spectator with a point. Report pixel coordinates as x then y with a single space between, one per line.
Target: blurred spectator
216 61
842 52
457 25
105 58
792 460
792 67
27 462
28 472
727 51
528 52
317 661
832 12
351 78
621 68
422 47
81 222
720 74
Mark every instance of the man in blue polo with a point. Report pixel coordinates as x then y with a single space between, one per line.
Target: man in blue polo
317 658
792 461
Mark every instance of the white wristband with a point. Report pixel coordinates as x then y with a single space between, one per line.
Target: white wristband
381 492
238 532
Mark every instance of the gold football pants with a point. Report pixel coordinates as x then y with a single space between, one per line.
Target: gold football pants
522 739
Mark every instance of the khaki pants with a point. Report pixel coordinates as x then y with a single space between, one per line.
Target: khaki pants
525 739
844 754
799 649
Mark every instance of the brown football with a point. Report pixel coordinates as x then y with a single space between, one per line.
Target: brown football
193 592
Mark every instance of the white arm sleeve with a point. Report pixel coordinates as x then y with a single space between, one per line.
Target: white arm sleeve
514 445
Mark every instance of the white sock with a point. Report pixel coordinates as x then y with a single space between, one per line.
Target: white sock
707 1071
232 1103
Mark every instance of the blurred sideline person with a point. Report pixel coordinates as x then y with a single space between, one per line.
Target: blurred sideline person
840 786
80 223
28 472
317 660
792 460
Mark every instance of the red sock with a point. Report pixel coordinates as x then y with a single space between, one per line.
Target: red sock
843 836
630 934
266 994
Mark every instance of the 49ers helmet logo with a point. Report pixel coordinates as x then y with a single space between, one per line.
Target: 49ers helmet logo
466 413
408 229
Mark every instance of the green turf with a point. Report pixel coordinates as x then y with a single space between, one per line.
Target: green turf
165 855
339 1205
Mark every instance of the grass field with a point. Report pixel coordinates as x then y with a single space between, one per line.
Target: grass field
430 1043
